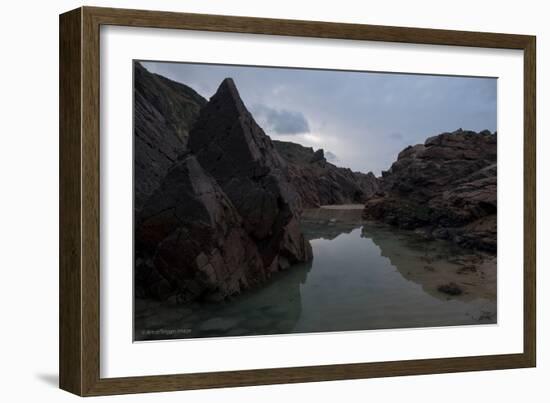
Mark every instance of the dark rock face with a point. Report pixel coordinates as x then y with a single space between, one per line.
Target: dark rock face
191 240
445 188
164 112
215 213
235 151
319 182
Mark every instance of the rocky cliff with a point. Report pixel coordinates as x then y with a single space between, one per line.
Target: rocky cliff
319 182
164 111
444 188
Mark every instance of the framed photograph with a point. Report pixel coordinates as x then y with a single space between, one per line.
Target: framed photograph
249 201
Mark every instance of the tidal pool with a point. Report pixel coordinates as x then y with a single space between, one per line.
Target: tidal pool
363 276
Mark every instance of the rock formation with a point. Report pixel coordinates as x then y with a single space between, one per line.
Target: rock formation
224 217
217 205
232 148
444 188
319 182
190 240
164 112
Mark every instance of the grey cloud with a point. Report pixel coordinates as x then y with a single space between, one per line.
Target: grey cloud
280 121
365 118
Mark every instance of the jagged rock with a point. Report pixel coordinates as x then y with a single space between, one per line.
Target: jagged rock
163 115
318 156
232 148
321 183
191 240
446 186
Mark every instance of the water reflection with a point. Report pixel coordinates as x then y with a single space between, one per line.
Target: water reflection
363 276
434 263
273 309
327 224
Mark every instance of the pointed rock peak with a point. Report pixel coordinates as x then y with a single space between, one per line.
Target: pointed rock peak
228 85
228 94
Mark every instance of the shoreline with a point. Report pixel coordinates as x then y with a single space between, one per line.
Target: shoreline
342 207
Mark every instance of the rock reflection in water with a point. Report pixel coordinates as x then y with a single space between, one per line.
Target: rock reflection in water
327 223
363 276
433 263
272 309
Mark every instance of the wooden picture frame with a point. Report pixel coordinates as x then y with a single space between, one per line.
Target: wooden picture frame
79 279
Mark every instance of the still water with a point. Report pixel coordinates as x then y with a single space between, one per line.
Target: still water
363 276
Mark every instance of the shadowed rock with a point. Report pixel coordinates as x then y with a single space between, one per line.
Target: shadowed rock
319 182
191 240
164 112
234 150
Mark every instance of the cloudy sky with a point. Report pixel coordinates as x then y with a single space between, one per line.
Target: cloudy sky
361 119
